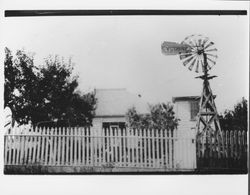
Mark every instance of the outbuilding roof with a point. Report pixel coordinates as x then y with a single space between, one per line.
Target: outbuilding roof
187 98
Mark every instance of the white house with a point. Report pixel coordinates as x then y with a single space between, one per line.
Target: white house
112 105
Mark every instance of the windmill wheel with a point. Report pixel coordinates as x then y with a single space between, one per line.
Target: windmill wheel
194 58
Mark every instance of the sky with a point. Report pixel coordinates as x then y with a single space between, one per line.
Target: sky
125 52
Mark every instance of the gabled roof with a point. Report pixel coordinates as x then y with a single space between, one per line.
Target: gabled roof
116 102
187 98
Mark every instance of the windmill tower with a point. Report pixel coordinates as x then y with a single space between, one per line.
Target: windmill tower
199 53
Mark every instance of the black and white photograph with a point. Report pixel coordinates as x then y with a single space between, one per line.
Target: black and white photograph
125 92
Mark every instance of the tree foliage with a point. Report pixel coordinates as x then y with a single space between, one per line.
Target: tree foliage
161 116
235 119
45 93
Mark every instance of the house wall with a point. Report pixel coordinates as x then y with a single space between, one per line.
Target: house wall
183 112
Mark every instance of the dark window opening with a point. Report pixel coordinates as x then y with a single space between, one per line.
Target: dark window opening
113 125
194 109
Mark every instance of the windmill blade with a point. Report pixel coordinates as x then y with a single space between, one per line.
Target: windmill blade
197 66
192 65
212 55
208 50
199 42
213 62
202 66
205 41
209 44
188 60
183 56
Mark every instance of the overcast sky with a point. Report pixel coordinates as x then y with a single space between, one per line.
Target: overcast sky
125 52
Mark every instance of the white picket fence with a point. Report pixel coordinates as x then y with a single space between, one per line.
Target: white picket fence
139 148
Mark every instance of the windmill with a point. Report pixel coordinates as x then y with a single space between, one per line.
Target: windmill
199 54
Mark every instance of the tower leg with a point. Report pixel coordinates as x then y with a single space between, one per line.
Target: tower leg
208 120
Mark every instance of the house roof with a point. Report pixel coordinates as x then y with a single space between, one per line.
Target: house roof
187 98
116 102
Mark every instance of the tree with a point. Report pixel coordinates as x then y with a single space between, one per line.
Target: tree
235 119
161 116
20 84
46 93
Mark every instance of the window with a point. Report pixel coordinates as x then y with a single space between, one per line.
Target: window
194 109
118 125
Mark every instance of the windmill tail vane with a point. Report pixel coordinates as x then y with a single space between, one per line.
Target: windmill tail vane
198 53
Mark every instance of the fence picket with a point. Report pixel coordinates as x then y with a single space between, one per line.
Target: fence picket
135 147
67 133
173 158
88 144
37 159
93 159
156 144
140 148
235 144
77 162
46 146
226 144
35 146
59 140
108 133
145 147
243 141
112 145
162 148
13 149
25 148
240 144
74 145
55 145
50 144
166 147
42 146
119 147
115 145
6 149
83 146
124 146
223 144
25 145
128 145
103 147
63 145
13 146
149 148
